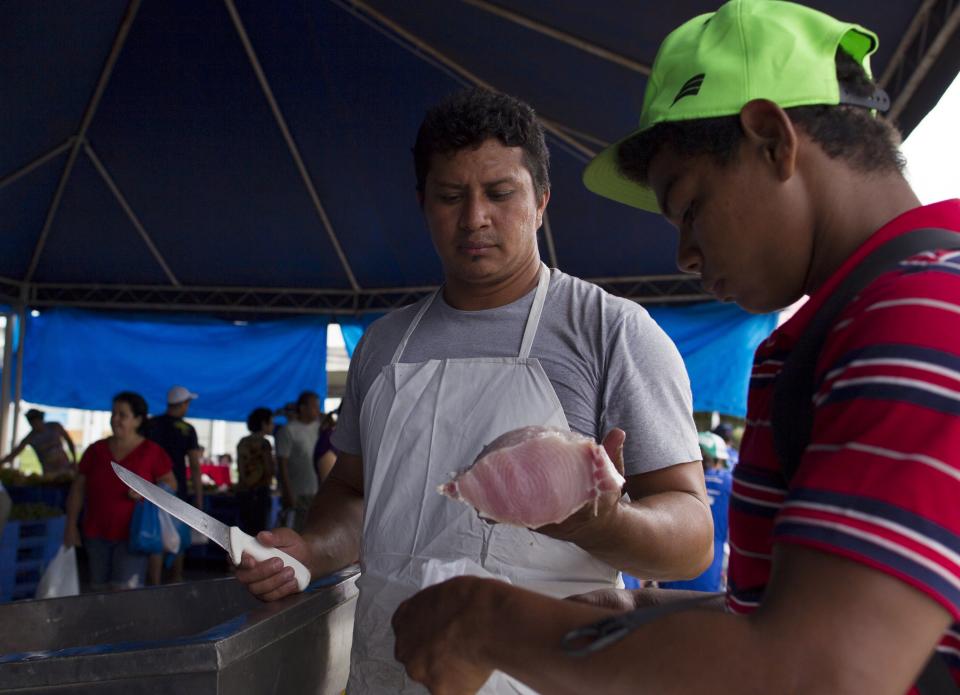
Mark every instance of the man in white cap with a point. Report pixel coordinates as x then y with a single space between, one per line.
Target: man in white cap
179 439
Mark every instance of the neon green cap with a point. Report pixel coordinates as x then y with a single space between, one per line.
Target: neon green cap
748 49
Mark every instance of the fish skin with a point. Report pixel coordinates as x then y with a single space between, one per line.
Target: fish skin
508 483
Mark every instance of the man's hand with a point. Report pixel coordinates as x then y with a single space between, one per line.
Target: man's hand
270 580
620 600
436 630
623 600
71 536
591 517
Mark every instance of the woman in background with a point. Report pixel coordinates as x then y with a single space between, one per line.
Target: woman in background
255 467
108 503
324 455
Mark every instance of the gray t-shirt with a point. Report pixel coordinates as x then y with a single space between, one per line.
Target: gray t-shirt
610 364
296 442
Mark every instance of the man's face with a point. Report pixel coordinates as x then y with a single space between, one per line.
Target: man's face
310 410
482 213
36 424
746 232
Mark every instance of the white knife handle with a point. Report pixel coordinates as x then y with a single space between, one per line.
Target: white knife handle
241 543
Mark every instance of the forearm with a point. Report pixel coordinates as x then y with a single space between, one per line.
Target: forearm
283 478
74 504
725 650
197 476
333 527
664 536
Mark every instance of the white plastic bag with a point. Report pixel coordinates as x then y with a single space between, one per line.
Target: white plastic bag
169 533
60 578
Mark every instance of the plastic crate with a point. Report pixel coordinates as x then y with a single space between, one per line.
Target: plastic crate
50 495
26 548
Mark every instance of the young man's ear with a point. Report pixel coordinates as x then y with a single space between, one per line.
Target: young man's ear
771 133
542 207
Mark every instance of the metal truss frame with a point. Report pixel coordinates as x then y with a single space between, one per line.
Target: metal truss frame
932 27
661 289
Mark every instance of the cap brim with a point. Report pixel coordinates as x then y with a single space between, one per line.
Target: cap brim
603 177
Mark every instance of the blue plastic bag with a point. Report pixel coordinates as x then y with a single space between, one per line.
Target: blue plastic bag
145 533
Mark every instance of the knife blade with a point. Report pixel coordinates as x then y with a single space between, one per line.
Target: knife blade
230 538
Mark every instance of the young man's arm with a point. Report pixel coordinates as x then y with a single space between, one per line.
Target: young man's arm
193 456
71 533
16 452
827 625
665 531
283 478
66 437
330 540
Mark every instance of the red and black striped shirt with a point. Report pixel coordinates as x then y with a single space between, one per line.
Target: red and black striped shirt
879 482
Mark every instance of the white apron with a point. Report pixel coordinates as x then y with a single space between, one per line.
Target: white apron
419 424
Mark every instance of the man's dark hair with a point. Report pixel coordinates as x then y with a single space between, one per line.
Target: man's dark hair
305 397
138 406
866 142
468 118
34 414
258 418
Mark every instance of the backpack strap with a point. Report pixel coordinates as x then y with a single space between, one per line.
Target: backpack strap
792 413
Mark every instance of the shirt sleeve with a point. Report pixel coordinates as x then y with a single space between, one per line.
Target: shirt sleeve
646 393
880 479
88 460
194 444
346 436
161 464
284 443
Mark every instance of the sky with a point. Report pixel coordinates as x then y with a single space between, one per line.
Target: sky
933 148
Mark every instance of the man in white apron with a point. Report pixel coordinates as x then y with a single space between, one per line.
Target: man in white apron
504 344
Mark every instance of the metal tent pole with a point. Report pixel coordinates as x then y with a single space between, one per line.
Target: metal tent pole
18 389
5 386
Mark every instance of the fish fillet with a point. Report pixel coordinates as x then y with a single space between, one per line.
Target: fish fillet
535 476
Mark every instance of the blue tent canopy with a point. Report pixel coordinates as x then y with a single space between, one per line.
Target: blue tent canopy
240 158
178 154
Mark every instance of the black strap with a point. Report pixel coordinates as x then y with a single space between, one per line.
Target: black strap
792 413
936 679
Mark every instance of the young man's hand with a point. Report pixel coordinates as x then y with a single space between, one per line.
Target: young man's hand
436 630
71 536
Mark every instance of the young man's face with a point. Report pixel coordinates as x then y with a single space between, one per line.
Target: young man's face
747 231
482 213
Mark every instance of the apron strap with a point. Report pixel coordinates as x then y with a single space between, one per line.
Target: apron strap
529 332
413 326
533 320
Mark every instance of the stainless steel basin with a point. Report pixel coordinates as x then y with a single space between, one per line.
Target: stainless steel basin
199 637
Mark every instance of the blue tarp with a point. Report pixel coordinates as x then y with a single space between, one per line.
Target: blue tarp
717 342
80 359
353 329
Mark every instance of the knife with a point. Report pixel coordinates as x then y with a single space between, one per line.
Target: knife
230 538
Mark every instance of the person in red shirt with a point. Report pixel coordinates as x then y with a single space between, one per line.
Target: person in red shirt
107 502
759 140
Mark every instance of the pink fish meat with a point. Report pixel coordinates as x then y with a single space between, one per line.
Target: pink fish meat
535 476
